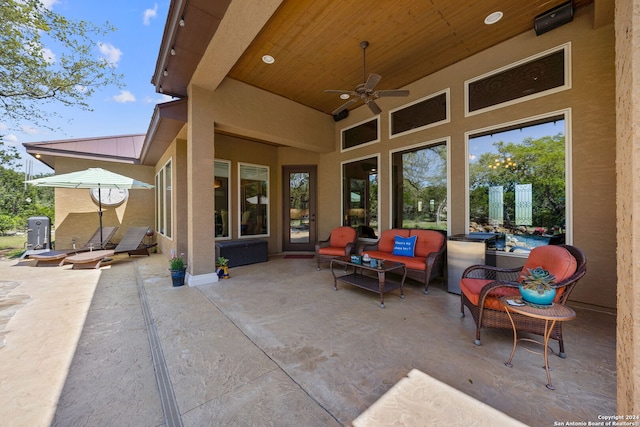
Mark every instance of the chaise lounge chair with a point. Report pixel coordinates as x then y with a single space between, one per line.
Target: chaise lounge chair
132 242
57 257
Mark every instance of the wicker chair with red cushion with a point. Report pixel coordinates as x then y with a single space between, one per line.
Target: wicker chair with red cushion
483 286
341 242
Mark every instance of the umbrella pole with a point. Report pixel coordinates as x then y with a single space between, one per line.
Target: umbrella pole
100 215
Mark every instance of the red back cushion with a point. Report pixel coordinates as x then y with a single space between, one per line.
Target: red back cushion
555 259
388 237
341 236
428 241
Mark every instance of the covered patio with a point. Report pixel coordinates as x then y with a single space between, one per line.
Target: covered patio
273 345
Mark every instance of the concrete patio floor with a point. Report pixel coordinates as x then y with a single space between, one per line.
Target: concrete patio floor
273 345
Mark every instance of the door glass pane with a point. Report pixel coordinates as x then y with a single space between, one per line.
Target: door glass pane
299 207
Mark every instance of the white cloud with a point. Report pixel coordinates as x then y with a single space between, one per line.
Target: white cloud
149 13
110 53
124 97
30 130
49 3
48 55
3 126
11 139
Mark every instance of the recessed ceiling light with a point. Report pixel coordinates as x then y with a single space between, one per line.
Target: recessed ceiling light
344 96
268 59
493 18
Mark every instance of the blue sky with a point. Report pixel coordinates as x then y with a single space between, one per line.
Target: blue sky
133 48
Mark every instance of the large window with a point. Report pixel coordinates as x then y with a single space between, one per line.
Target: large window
164 200
518 183
360 195
419 197
254 200
221 195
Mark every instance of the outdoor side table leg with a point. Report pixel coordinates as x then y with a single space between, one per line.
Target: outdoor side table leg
335 279
404 276
547 335
381 277
515 339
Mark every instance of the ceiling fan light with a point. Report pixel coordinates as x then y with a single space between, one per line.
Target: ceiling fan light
344 96
492 18
268 59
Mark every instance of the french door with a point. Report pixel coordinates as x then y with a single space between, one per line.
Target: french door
299 199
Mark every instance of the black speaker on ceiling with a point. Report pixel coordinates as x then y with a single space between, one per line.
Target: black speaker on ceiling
553 18
341 115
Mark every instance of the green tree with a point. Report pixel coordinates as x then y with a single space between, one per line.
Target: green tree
17 200
540 162
46 58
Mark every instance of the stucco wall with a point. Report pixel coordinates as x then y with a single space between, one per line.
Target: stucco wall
628 173
77 214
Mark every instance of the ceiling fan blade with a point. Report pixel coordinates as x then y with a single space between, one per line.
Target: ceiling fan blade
372 81
344 106
380 93
373 106
350 92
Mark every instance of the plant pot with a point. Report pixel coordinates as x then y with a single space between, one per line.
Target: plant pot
223 272
177 276
535 298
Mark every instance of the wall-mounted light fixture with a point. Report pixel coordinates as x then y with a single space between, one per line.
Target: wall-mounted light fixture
181 23
165 72
173 51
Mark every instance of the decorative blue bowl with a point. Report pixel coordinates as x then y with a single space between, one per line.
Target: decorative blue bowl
535 298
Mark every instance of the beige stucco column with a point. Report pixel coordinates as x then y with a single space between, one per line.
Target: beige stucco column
627 28
200 177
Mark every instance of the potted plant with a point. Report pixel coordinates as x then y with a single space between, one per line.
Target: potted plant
223 267
538 287
177 268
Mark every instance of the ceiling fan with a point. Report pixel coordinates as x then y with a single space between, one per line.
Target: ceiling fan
366 90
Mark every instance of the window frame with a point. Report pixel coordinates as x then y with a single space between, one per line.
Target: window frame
240 195
567 164
229 205
365 144
164 222
566 47
447 119
377 156
447 141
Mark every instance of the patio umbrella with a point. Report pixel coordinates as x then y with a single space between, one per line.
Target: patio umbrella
91 178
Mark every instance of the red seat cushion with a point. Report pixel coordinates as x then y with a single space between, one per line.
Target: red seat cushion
472 287
388 238
342 236
428 241
332 251
555 259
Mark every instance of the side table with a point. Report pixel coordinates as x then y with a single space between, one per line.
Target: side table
550 315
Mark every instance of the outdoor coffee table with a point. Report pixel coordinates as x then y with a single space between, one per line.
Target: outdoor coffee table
362 277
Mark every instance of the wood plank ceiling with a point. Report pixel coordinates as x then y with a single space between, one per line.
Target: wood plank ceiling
316 44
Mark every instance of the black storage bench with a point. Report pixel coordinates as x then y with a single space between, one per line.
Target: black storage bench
243 252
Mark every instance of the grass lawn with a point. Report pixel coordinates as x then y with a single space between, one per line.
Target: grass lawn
13 246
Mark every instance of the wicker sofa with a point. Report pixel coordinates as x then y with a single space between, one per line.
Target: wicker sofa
428 258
